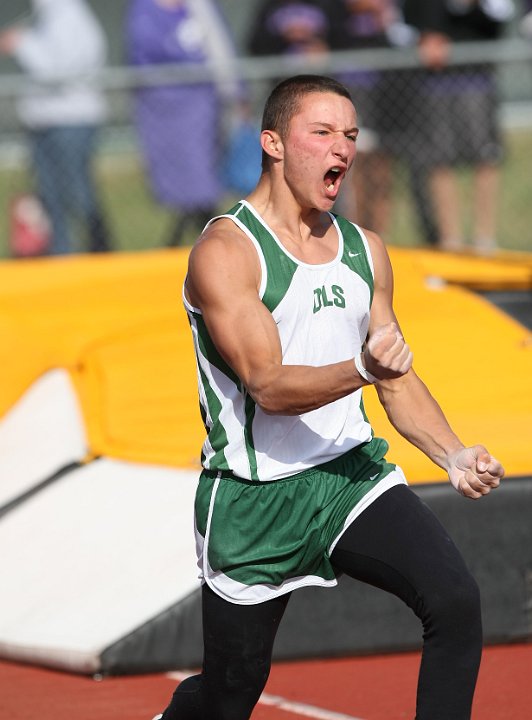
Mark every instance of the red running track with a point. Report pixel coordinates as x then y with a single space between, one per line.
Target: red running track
365 688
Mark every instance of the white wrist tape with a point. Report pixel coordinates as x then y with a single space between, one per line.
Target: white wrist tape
362 370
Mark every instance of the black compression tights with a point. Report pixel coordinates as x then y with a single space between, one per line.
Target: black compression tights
396 544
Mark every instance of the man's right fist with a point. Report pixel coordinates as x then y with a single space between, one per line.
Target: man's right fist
386 354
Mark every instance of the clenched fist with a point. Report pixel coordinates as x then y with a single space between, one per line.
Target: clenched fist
386 354
473 472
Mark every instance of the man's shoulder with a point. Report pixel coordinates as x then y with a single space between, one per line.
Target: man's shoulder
350 226
222 239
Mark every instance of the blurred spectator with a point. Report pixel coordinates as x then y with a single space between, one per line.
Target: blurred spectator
62 110
526 20
242 155
286 28
359 25
458 114
180 125
313 28
289 27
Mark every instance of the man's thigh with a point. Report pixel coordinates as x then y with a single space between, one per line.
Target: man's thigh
399 545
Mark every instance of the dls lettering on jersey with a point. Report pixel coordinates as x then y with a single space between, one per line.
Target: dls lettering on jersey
324 297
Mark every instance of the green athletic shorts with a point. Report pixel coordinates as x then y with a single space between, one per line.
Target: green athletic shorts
256 540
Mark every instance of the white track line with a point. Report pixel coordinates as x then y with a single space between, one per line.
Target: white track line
302 709
283 704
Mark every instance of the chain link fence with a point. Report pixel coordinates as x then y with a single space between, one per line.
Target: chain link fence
180 142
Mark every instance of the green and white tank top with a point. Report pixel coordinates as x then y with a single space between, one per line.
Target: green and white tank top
322 315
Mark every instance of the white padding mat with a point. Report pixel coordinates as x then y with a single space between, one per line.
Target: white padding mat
41 434
91 558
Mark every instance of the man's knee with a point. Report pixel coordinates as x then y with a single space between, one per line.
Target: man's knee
236 693
455 606
229 696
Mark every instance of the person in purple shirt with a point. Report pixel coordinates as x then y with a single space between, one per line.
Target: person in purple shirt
290 27
178 124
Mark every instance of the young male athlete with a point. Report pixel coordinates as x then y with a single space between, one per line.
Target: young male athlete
291 314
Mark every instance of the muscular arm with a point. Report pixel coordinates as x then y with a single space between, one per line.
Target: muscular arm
414 412
222 281
409 405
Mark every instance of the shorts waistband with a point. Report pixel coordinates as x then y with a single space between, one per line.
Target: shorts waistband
329 465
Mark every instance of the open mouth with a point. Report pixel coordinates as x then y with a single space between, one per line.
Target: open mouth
332 178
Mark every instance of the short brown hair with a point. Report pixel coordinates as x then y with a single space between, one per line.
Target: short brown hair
285 98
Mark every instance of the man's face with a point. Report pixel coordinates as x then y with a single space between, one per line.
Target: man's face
319 148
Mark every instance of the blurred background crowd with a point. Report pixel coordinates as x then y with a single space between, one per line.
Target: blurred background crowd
126 125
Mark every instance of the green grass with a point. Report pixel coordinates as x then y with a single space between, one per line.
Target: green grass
139 223
136 220
515 199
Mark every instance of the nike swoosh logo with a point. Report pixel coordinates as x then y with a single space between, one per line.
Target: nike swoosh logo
372 477
352 254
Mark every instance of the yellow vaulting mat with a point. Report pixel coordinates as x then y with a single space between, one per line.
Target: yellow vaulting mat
139 395
507 269
117 324
54 310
